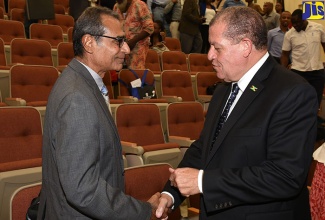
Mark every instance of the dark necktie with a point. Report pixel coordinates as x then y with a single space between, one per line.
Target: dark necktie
224 115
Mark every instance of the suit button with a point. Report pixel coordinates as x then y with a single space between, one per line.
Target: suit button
217 207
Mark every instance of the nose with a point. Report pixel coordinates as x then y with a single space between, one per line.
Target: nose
125 48
211 54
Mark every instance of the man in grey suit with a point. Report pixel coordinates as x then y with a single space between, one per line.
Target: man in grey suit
251 163
82 156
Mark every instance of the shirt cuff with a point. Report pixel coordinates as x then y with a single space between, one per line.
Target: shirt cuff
167 193
199 180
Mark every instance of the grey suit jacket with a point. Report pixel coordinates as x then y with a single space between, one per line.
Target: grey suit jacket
259 163
82 156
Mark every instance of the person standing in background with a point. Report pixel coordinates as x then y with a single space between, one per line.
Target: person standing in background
207 11
175 6
189 27
156 8
303 41
253 155
82 168
279 7
138 26
272 19
254 6
275 36
76 7
232 3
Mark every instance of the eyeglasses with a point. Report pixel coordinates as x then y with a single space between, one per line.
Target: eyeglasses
119 40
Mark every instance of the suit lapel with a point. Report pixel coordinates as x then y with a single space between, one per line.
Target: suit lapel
78 67
253 89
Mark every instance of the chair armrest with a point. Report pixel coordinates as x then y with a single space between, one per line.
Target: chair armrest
204 98
181 141
128 99
15 101
172 98
131 148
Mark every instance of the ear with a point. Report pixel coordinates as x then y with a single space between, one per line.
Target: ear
88 43
247 46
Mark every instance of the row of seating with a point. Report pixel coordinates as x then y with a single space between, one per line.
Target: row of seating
20 144
135 179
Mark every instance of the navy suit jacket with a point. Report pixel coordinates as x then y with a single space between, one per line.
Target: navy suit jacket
258 166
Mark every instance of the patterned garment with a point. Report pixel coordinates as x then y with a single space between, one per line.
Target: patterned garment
317 193
137 19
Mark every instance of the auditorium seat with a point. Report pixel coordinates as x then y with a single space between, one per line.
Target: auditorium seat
51 33
199 63
31 51
10 30
142 182
64 55
141 134
153 62
3 60
30 85
202 81
20 152
173 44
173 60
17 14
64 21
184 123
21 200
176 86
16 4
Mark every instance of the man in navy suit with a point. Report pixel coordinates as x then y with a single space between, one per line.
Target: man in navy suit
256 167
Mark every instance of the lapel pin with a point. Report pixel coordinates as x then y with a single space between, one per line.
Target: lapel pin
253 88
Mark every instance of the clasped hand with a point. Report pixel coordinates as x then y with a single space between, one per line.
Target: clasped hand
186 180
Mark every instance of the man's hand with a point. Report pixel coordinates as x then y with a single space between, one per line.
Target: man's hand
185 179
154 202
165 203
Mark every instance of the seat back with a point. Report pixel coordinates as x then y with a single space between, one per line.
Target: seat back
199 63
65 53
127 77
70 34
173 60
2 13
3 61
152 61
64 3
20 138
17 14
16 4
203 80
59 9
10 30
21 200
31 51
139 123
185 119
173 44
51 33
177 83
142 182
64 21
33 83
107 80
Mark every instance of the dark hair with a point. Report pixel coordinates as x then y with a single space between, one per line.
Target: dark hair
297 12
243 22
160 23
90 22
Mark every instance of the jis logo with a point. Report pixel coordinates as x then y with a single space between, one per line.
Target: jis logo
313 10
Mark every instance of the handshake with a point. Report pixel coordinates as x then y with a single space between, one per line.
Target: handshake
186 180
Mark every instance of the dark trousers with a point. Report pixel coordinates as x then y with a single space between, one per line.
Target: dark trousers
316 79
205 38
